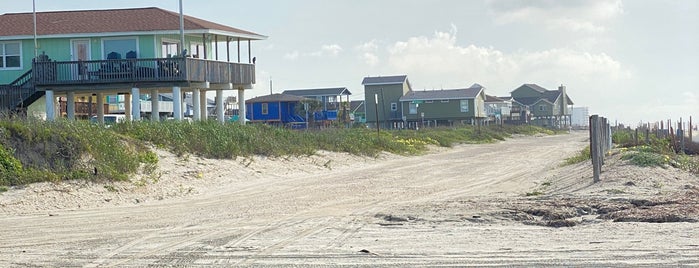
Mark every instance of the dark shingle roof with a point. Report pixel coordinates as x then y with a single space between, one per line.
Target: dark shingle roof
275 98
384 80
464 93
489 98
536 87
356 105
548 95
551 95
148 19
336 91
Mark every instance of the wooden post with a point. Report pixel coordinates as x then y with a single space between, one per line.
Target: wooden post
594 147
648 135
690 129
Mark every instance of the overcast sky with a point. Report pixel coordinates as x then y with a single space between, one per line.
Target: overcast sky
631 61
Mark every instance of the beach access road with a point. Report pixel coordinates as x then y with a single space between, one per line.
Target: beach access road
450 207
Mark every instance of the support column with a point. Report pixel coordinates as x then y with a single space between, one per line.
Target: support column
127 106
177 103
197 104
241 106
204 105
50 106
100 108
70 105
220 113
154 105
136 104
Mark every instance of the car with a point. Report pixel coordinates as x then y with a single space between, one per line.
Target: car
110 119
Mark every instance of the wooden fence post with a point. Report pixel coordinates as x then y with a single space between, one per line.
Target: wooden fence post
595 147
690 130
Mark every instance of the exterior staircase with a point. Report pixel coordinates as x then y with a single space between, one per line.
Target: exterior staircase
16 96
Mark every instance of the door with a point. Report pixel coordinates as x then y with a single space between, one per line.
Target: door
80 52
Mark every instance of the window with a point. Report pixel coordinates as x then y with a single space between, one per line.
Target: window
265 108
196 51
10 55
542 108
413 108
170 49
119 48
429 101
464 106
444 101
394 106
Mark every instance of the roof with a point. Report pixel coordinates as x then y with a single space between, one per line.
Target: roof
385 80
85 22
536 87
489 98
356 105
275 98
549 95
336 91
464 93
527 101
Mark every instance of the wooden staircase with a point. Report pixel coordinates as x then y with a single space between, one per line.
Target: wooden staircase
16 96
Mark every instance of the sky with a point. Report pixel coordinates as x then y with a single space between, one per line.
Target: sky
630 61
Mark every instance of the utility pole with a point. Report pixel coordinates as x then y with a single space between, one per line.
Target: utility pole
36 46
182 31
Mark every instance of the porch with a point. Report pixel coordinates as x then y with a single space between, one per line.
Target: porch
144 73
175 75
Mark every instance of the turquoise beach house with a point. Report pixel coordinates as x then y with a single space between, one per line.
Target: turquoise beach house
134 53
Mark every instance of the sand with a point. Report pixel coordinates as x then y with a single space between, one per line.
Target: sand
471 205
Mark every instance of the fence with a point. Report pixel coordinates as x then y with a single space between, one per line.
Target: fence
680 137
600 143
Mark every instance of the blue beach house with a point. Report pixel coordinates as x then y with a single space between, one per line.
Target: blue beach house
276 109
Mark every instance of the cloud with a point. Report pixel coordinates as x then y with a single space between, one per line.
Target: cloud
368 52
370 46
292 55
325 50
587 16
333 49
438 61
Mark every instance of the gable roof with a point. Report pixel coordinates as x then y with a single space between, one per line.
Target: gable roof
536 87
447 94
548 95
336 91
385 80
527 101
356 105
489 98
98 22
277 97
551 95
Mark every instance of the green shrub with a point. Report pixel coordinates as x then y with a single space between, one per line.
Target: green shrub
582 156
10 167
646 159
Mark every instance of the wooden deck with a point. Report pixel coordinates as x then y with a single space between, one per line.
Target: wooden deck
141 72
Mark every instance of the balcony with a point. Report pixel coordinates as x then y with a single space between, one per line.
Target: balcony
141 72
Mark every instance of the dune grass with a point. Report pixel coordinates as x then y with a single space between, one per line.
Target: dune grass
35 150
